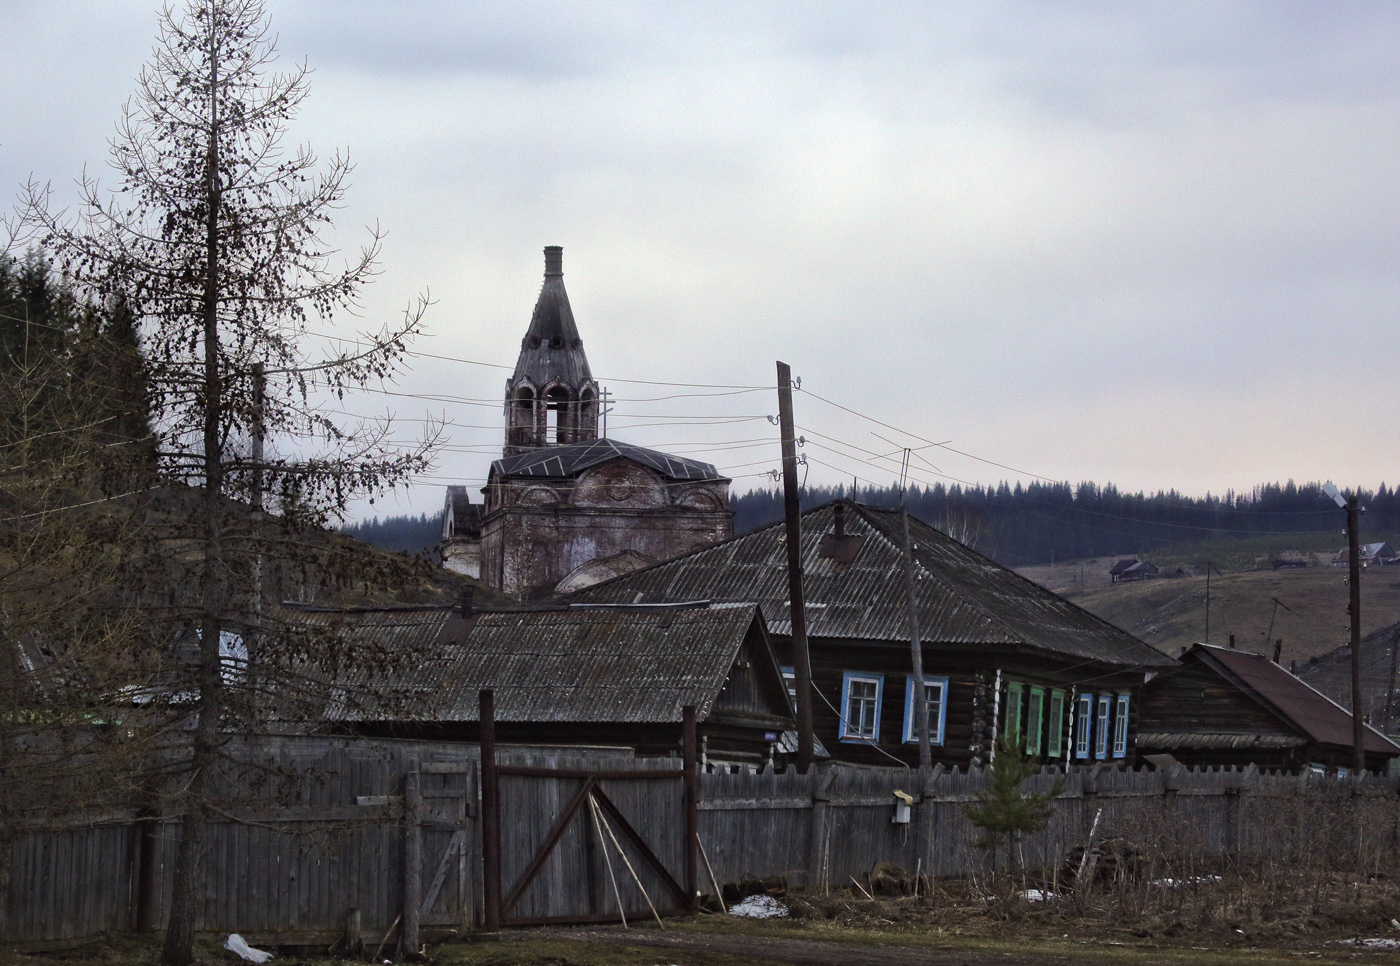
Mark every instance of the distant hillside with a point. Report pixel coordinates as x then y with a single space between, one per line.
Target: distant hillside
418 535
1170 613
1044 522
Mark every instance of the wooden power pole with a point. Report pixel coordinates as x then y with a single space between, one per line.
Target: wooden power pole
1358 727
792 515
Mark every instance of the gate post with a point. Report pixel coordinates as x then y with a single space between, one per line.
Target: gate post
412 860
490 816
692 809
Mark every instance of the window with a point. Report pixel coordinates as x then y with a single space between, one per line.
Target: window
1120 727
860 706
1101 726
790 682
1013 711
1082 724
1055 735
1035 713
936 694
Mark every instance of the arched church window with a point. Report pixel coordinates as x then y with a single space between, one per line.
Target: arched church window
587 412
556 430
522 417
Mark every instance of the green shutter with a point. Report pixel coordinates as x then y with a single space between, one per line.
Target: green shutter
1035 713
1013 711
1054 745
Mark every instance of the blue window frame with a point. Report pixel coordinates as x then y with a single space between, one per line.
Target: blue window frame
1083 724
1101 726
1120 727
936 693
861 696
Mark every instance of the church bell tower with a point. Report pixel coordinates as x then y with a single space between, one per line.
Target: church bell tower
551 400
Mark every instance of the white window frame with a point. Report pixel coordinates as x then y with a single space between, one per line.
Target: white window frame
1102 720
936 723
1083 723
847 679
1120 727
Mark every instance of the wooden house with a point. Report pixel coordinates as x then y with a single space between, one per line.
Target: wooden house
1227 707
1370 553
575 676
1000 653
1132 569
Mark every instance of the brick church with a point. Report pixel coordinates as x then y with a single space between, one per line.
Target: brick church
564 507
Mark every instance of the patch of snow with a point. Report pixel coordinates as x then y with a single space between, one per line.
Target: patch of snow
758 907
1037 895
1370 943
1193 880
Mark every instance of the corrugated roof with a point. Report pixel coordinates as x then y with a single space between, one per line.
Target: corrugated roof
1214 739
964 598
629 666
564 462
1318 716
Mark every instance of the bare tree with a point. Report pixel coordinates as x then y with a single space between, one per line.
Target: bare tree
217 242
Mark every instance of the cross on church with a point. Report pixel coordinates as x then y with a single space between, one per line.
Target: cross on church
604 407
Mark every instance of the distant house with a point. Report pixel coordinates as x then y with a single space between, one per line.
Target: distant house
1000 653
1371 553
1229 707
575 676
1132 569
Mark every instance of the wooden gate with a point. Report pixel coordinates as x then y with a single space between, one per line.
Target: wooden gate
585 845
440 801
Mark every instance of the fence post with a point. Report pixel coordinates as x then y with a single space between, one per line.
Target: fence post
923 829
412 859
490 816
692 809
816 846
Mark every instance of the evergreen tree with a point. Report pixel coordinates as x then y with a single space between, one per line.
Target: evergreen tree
215 245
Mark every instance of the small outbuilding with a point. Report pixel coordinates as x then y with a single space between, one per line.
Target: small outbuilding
1229 707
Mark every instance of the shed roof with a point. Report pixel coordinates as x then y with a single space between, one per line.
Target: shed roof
565 462
615 665
1310 711
964 598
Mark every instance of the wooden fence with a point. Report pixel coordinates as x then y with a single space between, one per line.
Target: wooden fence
338 851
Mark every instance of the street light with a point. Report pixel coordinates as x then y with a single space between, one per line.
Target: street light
1358 733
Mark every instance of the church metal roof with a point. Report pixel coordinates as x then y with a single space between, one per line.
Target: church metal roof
565 462
552 350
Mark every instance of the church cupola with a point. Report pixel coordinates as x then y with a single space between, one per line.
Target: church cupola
551 400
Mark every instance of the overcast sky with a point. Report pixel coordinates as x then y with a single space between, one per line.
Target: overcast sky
1150 243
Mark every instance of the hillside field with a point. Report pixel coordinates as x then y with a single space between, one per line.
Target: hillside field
1170 613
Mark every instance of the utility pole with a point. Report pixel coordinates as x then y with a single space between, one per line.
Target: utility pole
792 516
1358 728
1352 505
916 651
